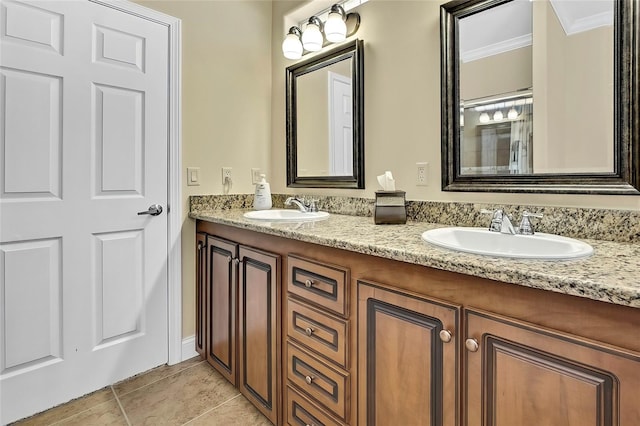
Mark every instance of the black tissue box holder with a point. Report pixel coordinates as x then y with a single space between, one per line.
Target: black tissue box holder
390 208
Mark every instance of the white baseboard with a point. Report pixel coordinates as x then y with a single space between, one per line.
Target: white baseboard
189 348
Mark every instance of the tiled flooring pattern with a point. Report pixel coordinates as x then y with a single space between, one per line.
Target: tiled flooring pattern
189 393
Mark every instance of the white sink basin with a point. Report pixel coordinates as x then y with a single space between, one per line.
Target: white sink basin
485 242
276 215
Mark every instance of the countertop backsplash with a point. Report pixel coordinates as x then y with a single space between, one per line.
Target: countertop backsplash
599 224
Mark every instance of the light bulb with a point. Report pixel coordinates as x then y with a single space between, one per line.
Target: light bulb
335 29
312 37
497 116
512 114
484 118
291 47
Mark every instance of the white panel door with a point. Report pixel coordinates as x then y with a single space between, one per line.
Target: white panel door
83 149
340 125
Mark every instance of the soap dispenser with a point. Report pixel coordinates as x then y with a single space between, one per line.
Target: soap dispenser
262 199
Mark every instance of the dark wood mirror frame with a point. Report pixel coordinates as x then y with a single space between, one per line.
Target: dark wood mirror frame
352 51
624 180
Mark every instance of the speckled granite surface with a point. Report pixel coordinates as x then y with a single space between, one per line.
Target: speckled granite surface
598 224
612 274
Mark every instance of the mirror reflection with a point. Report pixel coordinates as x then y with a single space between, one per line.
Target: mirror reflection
325 121
325 116
580 71
555 55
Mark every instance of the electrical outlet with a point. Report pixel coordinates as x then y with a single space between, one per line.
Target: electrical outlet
421 174
255 175
226 175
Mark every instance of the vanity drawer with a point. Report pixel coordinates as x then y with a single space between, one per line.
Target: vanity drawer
302 412
324 333
321 382
323 285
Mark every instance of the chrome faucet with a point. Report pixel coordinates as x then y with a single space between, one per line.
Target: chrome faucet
501 222
300 203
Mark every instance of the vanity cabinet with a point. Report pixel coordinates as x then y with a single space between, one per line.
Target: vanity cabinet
521 374
366 340
407 358
318 341
240 305
201 294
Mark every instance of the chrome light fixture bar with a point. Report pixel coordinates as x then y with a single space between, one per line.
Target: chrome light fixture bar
337 28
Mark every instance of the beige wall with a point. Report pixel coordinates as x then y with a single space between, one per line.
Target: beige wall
234 105
226 105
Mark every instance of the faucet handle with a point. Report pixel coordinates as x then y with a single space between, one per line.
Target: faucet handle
526 228
496 219
312 205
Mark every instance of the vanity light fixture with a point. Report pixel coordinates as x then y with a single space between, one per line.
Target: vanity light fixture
512 114
292 45
337 28
498 116
312 39
484 118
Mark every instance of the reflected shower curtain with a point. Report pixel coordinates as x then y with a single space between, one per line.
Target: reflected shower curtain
521 151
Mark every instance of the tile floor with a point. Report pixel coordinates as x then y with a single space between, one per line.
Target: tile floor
189 393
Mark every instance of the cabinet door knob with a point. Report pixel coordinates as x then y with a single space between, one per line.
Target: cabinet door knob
229 259
308 331
308 379
236 261
472 345
308 283
445 336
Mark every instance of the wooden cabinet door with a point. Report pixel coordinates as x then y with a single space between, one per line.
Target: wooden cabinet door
201 294
259 327
221 303
407 372
520 374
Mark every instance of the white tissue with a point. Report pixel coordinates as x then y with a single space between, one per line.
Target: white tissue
387 182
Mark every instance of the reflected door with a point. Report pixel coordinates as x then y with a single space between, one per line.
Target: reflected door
340 125
83 148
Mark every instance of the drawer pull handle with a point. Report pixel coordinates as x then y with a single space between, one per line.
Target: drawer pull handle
446 336
308 283
308 331
472 345
308 379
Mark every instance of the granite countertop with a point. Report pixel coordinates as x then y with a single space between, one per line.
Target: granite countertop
611 274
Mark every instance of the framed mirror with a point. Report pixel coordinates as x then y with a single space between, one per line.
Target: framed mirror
540 96
325 119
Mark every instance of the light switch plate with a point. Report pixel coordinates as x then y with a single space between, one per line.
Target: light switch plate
193 176
255 175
